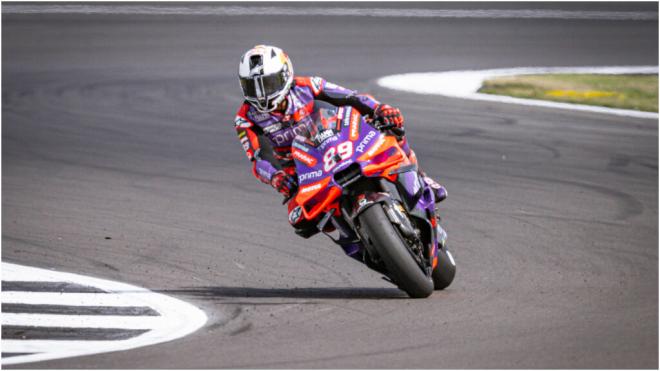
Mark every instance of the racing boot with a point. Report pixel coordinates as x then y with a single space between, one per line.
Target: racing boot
439 191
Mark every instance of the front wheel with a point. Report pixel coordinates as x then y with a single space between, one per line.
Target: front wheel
444 272
404 270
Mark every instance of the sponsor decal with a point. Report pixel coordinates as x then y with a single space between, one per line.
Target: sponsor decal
240 122
355 126
286 136
242 133
325 134
295 215
299 146
365 141
327 142
311 175
432 183
310 188
342 165
343 114
272 128
376 146
258 116
303 157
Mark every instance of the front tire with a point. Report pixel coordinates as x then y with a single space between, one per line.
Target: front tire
404 271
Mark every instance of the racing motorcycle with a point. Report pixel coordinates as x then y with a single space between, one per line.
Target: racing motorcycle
368 197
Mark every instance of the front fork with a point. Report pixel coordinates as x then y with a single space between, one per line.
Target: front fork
412 194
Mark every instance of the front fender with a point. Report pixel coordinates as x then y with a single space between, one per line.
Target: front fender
369 199
366 200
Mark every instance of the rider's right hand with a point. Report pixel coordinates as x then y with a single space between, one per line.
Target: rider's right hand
284 183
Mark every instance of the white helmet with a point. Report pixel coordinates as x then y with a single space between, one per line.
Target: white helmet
266 75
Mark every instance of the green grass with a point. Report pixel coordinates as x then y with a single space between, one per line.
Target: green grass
637 92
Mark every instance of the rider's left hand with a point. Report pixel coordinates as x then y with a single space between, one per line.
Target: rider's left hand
389 115
284 183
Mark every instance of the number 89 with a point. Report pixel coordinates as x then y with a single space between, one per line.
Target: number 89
345 150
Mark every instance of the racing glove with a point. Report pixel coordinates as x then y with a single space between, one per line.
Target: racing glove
284 183
389 116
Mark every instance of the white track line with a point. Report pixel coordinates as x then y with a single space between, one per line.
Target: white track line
465 84
224 10
69 348
72 299
177 318
85 321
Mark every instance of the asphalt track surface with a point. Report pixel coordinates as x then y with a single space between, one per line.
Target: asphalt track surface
121 127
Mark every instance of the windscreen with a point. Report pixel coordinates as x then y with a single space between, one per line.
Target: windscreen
324 124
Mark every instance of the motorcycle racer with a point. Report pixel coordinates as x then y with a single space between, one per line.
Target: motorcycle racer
277 107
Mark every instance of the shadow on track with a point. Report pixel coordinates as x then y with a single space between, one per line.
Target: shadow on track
218 292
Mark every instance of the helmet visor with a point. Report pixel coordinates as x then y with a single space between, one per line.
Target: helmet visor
262 87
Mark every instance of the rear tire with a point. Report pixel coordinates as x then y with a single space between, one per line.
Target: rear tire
444 272
400 264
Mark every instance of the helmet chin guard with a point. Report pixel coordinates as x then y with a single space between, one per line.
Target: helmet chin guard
266 75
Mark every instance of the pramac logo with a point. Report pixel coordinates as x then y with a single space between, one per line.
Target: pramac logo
303 157
355 126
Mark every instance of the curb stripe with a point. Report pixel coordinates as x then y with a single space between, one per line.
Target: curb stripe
31 337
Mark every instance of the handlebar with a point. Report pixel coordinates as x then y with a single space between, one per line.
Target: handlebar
287 199
385 126
292 194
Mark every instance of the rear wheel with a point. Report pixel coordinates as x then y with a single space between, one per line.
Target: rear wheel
444 272
401 266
